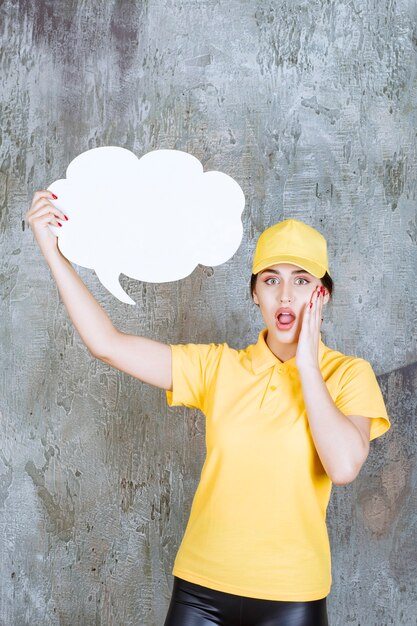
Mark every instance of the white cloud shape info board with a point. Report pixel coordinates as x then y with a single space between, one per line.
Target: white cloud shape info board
154 218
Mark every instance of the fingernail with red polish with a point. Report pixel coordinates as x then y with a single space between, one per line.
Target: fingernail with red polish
54 196
59 224
65 216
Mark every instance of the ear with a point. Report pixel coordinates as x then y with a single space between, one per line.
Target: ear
255 297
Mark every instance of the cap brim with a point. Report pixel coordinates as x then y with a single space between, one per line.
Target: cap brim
313 268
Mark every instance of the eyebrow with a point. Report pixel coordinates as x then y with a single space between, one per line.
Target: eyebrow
277 272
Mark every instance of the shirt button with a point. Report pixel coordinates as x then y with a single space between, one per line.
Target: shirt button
273 387
282 369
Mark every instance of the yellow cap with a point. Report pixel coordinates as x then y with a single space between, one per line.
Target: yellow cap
292 241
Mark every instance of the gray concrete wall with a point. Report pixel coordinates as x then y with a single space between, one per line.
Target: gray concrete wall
310 106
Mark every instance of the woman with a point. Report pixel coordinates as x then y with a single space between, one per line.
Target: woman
286 418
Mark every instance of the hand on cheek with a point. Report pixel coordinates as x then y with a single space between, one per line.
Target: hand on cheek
308 342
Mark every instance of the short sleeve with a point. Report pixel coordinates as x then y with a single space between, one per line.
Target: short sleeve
359 394
193 367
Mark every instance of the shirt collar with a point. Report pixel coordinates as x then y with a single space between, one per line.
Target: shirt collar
263 357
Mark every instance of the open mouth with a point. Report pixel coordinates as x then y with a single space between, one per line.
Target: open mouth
285 321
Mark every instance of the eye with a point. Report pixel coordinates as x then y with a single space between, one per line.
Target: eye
306 282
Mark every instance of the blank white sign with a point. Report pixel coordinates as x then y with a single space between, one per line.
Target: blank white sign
154 218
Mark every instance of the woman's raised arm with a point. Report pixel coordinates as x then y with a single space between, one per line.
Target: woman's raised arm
143 358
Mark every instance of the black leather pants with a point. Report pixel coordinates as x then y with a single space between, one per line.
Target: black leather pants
195 605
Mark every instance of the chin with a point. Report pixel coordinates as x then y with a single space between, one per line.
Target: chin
285 336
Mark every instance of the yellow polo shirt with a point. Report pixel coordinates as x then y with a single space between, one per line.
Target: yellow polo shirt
257 525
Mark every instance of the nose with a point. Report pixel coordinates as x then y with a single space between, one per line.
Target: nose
285 293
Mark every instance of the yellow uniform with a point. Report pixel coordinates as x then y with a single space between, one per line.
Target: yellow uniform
257 525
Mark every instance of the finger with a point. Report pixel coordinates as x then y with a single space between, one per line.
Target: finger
44 205
46 212
317 309
311 308
49 219
320 303
321 306
38 196
313 295
37 203
42 193
315 298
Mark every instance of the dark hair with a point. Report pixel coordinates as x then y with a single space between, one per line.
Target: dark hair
326 281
